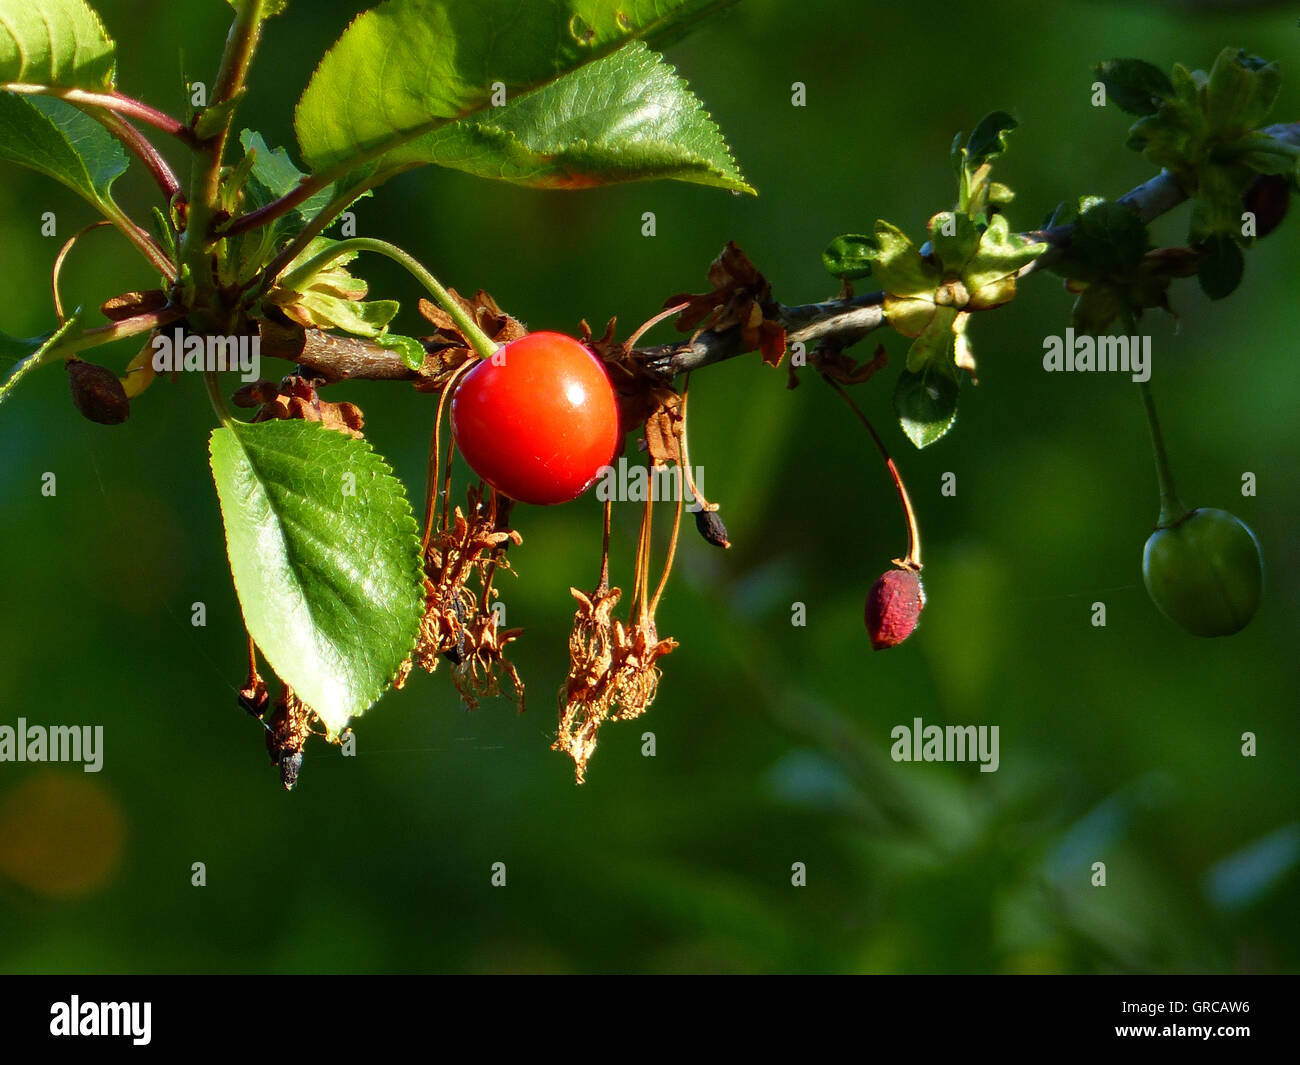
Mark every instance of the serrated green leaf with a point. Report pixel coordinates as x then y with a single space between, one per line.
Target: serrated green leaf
1217 208
1240 91
626 117
330 581
926 402
411 350
55 43
1108 238
990 275
849 256
273 175
58 140
30 352
1134 85
352 316
410 66
988 139
935 342
953 240
898 264
1222 268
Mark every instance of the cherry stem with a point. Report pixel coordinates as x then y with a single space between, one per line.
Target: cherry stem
205 183
913 559
478 339
650 323
432 466
603 586
218 401
61 257
1171 507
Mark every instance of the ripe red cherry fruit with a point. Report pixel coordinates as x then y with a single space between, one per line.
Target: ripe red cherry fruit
538 419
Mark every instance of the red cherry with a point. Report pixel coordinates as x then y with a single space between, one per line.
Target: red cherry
538 419
894 607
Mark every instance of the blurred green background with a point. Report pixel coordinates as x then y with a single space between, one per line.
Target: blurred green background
1118 744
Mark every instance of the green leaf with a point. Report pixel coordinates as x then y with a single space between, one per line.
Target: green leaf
953 240
1240 92
1218 205
56 43
1221 270
58 140
988 139
926 402
935 343
407 67
411 350
351 316
30 352
1264 154
330 583
627 117
898 263
1108 238
1134 85
273 175
990 277
849 256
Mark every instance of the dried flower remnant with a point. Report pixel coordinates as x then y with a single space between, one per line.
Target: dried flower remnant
286 735
296 398
613 665
450 347
613 673
459 622
739 297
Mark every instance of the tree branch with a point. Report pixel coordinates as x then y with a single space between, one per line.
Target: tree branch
845 321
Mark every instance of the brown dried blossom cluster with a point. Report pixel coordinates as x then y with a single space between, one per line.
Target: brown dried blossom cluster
459 623
739 297
296 398
613 672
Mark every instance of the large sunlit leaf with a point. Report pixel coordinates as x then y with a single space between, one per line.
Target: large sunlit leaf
627 117
61 142
57 43
410 66
326 561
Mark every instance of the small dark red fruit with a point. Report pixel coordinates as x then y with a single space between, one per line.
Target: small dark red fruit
894 607
97 392
538 419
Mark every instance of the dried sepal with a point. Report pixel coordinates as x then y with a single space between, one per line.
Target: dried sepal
739 297
296 398
131 304
451 347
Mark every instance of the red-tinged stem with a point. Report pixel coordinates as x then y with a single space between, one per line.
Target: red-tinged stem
142 148
913 559
111 101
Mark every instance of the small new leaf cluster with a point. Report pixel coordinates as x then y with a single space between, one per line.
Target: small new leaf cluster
1203 129
970 263
1112 266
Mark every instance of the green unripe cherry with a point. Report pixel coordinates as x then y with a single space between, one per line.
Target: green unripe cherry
1204 572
